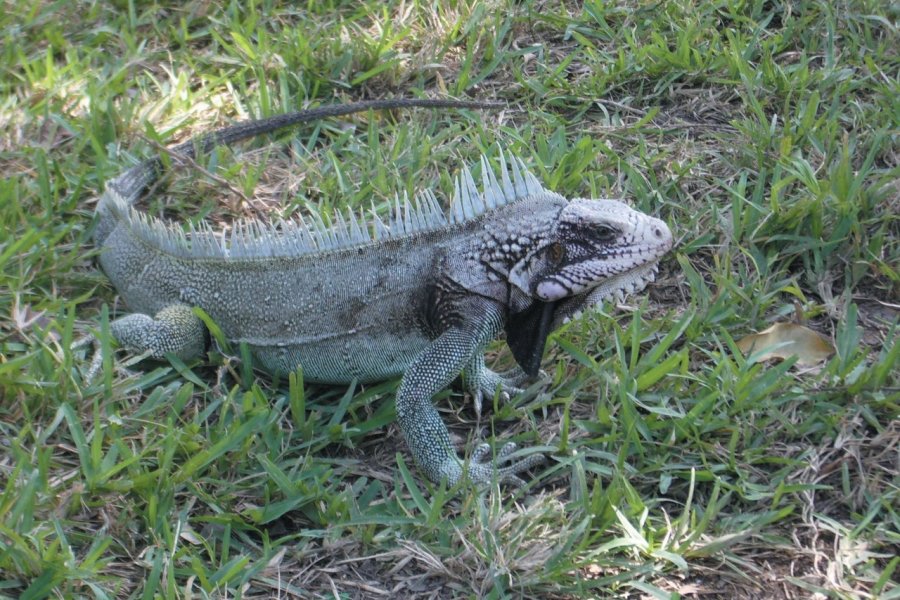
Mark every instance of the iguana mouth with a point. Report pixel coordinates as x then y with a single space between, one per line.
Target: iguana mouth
618 287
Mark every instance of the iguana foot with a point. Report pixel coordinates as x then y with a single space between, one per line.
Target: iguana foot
96 357
486 468
488 384
483 383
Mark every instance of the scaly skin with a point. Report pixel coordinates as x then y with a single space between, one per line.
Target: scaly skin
420 302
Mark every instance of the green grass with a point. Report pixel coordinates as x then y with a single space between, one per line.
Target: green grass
764 133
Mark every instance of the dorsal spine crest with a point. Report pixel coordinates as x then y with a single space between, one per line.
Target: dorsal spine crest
250 238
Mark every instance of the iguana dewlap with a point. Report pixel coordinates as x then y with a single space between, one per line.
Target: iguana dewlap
417 296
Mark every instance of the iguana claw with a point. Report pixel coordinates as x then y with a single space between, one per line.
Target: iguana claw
482 382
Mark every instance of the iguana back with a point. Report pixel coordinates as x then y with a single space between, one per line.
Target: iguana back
357 312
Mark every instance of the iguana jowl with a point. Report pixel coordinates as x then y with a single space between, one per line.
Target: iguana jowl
418 296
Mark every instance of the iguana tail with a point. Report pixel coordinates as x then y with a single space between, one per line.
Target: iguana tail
124 190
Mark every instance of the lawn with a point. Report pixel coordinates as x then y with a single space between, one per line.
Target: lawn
764 133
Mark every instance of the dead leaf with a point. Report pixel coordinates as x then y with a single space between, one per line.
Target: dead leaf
784 340
24 317
188 535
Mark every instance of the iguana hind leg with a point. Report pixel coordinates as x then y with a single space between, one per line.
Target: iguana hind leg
173 330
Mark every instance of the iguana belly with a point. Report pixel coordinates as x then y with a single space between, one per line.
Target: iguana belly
342 358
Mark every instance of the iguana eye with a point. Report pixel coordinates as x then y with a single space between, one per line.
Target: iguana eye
556 252
606 233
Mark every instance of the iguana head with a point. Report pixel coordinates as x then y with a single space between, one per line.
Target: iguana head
595 250
548 258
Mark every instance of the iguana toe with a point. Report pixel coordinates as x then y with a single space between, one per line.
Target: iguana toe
486 383
484 468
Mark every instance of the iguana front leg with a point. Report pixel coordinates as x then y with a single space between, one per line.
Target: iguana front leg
425 432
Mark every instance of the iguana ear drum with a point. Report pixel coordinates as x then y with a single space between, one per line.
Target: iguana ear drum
526 334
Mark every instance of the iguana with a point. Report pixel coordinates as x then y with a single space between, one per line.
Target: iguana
416 296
